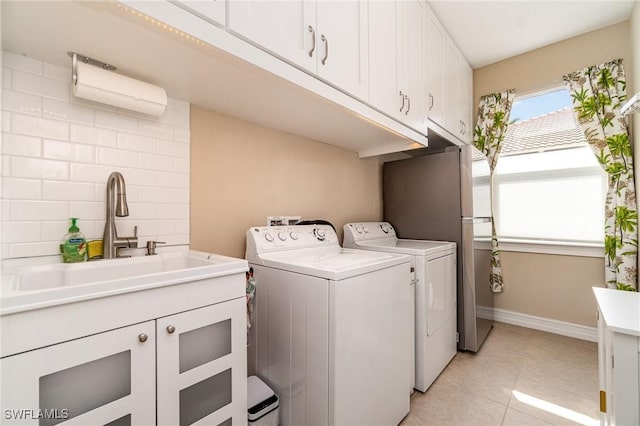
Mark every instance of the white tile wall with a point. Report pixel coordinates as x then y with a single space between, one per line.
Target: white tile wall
58 152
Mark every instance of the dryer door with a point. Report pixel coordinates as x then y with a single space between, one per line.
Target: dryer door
440 288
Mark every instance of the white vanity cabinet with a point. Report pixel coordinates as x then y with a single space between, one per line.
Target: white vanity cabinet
166 348
196 360
201 354
619 356
328 39
108 377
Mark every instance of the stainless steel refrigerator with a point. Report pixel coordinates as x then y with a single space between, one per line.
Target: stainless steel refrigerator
431 197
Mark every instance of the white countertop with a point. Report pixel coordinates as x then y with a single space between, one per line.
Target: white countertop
620 309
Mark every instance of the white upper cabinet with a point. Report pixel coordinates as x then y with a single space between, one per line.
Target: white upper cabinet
449 83
326 38
383 58
434 75
466 100
284 28
343 45
209 10
396 60
411 62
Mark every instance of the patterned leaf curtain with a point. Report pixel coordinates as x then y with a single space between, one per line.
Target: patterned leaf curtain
493 119
598 92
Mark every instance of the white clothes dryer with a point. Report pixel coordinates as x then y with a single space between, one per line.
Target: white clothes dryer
434 265
328 325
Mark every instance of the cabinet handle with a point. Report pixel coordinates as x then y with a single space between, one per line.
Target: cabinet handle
142 337
326 48
603 401
402 96
170 329
313 40
408 105
431 97
464 127
461 128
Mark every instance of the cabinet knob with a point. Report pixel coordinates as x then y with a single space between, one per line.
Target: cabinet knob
142 337
170 329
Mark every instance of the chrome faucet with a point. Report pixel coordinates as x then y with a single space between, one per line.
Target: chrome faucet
116 206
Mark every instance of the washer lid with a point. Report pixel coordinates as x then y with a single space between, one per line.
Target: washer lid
332 263
414 247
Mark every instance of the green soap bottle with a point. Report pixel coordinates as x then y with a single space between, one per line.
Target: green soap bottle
74 245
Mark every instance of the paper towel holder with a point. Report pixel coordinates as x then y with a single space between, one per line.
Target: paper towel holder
95 81
87 60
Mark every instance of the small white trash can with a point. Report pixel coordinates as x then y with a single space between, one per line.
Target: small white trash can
262 403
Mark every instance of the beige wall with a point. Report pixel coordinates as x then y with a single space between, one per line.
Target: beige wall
550 63
553 286
242 172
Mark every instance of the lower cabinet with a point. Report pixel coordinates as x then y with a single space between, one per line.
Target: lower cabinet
618 356
190 366
201 362
106 379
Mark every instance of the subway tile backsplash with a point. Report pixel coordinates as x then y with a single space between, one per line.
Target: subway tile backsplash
58 152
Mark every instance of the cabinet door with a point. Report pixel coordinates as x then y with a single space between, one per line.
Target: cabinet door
210 10
451 101
285 28
202 366
383 71
342 41
604 374
107 378
466 99
410 15
434 63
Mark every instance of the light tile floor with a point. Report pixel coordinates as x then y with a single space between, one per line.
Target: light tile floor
520 377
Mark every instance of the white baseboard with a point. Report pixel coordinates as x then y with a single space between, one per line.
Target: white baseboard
563 328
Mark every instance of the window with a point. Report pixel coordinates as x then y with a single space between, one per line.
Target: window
549 187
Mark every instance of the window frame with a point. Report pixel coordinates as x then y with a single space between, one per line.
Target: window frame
540 245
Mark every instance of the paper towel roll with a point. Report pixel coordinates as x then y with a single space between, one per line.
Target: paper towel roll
107 87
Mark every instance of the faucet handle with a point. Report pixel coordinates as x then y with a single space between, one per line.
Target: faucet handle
151 247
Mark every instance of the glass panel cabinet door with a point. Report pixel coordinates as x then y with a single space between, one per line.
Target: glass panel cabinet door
202 366
107 378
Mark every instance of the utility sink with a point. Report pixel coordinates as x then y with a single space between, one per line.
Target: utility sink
30 287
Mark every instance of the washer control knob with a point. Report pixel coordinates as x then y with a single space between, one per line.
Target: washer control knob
365 229
269 237
282 235
384 228
359 229
293 235
320 234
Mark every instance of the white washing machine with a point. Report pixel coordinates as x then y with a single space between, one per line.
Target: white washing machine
434 264
330 325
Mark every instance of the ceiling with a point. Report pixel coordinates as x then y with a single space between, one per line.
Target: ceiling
490 31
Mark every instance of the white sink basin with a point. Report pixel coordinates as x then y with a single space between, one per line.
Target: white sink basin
29 287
